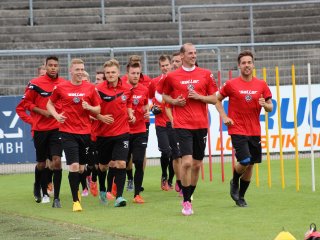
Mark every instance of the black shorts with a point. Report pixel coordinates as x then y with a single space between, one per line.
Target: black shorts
137 147
93 154
113 148
247 146
47 144
192 142
167 142
76 147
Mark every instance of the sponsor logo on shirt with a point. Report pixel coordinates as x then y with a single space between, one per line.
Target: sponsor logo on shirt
190 81
190 87
76 99
123 98
248 94
136 99
248 98
76 94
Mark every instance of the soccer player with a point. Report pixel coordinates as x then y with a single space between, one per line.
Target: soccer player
93 164
166 143
46 131
79 99
42 70
83 176
247 96
189 89
176 163
113 131
138 135
99 77
26 116
145 80
176 61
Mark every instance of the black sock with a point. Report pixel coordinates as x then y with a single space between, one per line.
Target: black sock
192 188
74 180
44 181
110 177
50 174
57 177
83 179
37 176
129 174
94 174
179 184
164 165
243 187
138 177
236 177
102 180
186 193
171 171
120 179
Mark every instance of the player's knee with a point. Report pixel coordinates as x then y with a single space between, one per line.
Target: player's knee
245 162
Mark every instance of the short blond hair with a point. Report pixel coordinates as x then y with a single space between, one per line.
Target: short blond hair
112 62
135 58
86 75
76 61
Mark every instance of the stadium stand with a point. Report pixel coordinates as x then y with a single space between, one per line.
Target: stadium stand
77 24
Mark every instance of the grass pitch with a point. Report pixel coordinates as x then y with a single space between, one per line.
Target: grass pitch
216 215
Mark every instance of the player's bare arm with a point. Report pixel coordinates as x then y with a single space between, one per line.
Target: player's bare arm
146 112
267 105
179 101
93 109
206 99
107 118
132 118
52 110
226 120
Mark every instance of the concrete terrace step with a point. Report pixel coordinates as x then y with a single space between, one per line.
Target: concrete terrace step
42 4
86 11
86 28
89 43
94 35
207 15
14 4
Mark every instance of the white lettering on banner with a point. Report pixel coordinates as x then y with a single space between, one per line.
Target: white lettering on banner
13 123
11 148
19 134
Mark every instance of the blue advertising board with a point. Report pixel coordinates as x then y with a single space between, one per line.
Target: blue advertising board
16 145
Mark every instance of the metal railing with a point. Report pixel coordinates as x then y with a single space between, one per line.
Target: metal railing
246 5
17 67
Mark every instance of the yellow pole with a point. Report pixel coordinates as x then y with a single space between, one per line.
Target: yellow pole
264 73
254 73
279 126
295 126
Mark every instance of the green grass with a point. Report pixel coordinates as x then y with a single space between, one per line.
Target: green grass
216 216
